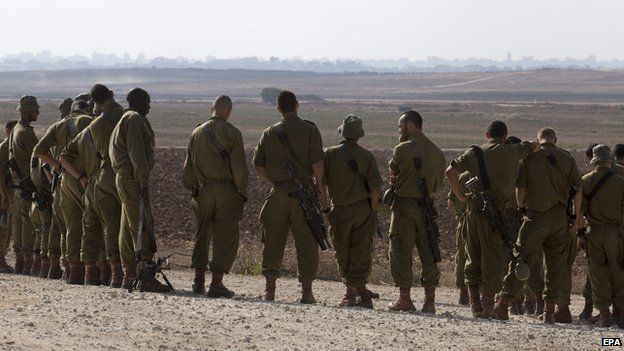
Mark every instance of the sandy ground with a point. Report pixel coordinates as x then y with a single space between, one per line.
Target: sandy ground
42 314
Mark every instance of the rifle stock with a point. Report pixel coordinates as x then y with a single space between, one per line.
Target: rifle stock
431 216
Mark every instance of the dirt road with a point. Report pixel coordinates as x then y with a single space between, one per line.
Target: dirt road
49 315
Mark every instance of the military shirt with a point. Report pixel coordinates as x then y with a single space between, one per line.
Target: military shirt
102 128
4 158
459 206
82 153
203 161
305 143
606 206
60 134
132 147
346 186
431 169
501 161
548 185
23 142
618 168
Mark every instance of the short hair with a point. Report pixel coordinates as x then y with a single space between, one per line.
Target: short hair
618 151
546 133
589 152
10 124
137 95
80 105
222 103
100 93
287 101
414 117
497 129
511 140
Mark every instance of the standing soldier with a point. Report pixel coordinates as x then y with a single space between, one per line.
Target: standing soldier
215 171
618 154
487 254
354 186
460 239
603 206
415 158
542 188
298 141
132 157
58 136
22 141
6 198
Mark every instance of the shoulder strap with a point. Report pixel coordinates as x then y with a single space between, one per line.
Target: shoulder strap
350 159
416 155
485 179
91 143
223 152
599 185
283 138
73 130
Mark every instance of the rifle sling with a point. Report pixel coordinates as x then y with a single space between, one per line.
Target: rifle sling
91 143
552 160
485 179
416 155
353 164
598 186
73 130
283 138
223 152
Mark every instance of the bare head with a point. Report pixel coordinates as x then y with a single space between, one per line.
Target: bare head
81 106
100 94
547 135
410 123
496 130
287 103
222 107
139 100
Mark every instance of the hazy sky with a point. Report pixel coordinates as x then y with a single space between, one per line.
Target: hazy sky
316 29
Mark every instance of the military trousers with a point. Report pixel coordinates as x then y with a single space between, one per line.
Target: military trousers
130 196
108 202
408 230
219 209
352 229
58 231
571 252
92 226
547 231
460 252
24 236
605 248
280 213
71 201
5 232
42 225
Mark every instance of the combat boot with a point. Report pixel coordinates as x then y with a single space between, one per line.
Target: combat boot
105 273
404 303
269 288
4 267
588 310
199 283
488 306
501 310
129 275
76 273
604 319
19 263
45 267
117 274
615 313
307 297
429 303
91 276
463 295
475 301
371 294
217 289
28 263
55 268
365 299
35 269
530 303
620 320
562 314
549 312
66 270
350 297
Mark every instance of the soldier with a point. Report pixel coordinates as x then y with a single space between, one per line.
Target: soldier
300 141
618 154
354 186
65 107
6 198
542 188
414 158
215 171
460 238
487 254
86 97
41 174
603 207
58 136
132 158
21 144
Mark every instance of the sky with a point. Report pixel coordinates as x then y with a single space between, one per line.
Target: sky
362 29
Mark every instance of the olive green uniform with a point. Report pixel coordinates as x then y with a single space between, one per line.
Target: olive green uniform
460 234
353 222
22 143
281 211
131 153
546 224
105 194
605 244
83 154
41 220
58 136
407 223
5 226
487 255
220 187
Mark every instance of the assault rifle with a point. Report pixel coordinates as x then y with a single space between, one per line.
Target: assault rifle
431 216
309 202
29 191
486 206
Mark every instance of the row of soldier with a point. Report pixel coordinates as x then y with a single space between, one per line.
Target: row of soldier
527 180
